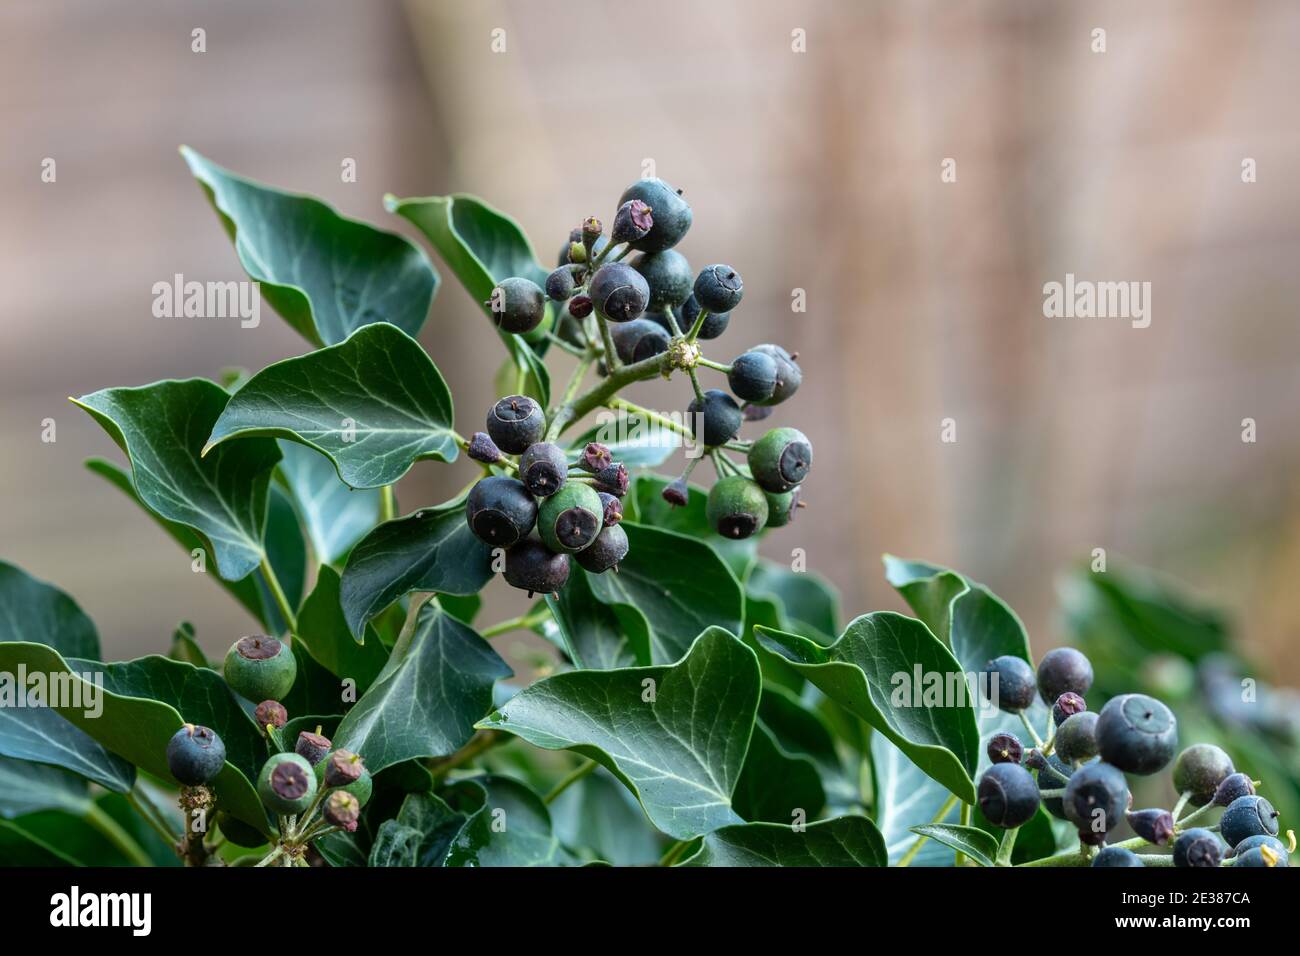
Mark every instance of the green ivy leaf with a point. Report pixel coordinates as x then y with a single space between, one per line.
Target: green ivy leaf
599 819
323 631
334 516
432 549
843 841
975 843
649 508
590 633
325 275
424 703
798 729
668 589
482 246
142 705
976 624
420 834
185 648
680 752
776 784
32 610
905 797
221 496
510 827
31 787
807 602
858 670
374 405
251 592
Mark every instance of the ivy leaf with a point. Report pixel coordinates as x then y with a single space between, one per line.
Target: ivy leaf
807 602
975 843
185 648
590 633
843 841
335 516
251 592
424 703
680 751
432 826
324 632
482 246
143 701
975 623
325 275
600 819
649 508
859 672
43 736
510 827
777 786
33 610
668 589
33 787
374 405
432 549
221 496
798 729
905 797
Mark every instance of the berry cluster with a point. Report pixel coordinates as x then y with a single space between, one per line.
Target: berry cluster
634 320
1078 773
292 784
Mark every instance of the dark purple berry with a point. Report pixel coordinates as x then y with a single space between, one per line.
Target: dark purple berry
1004 748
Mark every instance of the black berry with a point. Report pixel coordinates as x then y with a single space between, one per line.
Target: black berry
1154 826
1007 795
1200 769
543 468
716 419
670 213
619 292
1004 748
1197 847
195 754
1066 705
1096 797
532 567
639 339
668 276
1116 856
500 511
718 288
517 305
515 422
1233 786
715 323
788 374
1076 737
632 221
1010 683
613 479
612 508
560 284
1247 817
595 457
1137 734
753 376
609 548
1063 670
483 448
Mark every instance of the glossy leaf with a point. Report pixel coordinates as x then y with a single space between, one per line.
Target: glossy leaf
600 820
334 516
588 631
31 787
807 602
425 702
669 588
142 705
777 785
323 631
221 496
843 841
975 843
862 672
511 827
649 508
904 797
481 246
185 648
680 751
374 405
32 610
325 275
432 549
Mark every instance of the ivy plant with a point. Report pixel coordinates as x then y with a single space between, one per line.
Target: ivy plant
697 705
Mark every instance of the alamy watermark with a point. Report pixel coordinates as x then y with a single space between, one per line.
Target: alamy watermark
64 690
179 299
1083 299
921 688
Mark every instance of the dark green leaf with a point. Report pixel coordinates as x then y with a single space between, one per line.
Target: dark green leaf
285 547
430 550
424 703
335 516
185 648
142 705
875 665
589 632
975 843
799 729
905 797
777 786
222 496
676 735
31 787
323 631
602 821
843 841
808 603
481 246
649 508
327 276
670 588
374 405
32 610
511 827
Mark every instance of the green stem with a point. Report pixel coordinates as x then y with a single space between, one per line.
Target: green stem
565 346
915 848
586 767
482 741
387 503
716 366
612 361
674 851
277 592
661 420
960 858
524 622
575 381
671 316
599 395
695 384
1038 741
694 333
113 832
1183 798
276 852
151 816
1194 815
1006 846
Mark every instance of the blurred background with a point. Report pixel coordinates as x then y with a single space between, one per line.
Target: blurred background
817 170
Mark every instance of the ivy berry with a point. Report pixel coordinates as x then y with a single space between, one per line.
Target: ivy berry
1233 786
1154 826
788 374
714 324
570 519
1200 769
668 276
1095 799
260 668
500 511
609 548
312 747
1008 795
752 376
633 220
638 340
535 568
543 468
515 422
1004 748
736 507
718 288
1197 847
619 292
1010 683
1116 856
1063 670
1247 817
716 419
671 214
346 771
781 459
1076 738
287 784
781 508
1067 705
1136 733
195 755
518 305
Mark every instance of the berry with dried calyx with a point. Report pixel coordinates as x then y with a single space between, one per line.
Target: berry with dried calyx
609 548
1067 705
671 215
543 468
613 479
788 374
535 568
1154 826
1004 748
483 448
260 667
312 747
515 422
1233 786
612 508
570 519
342 810
270 712
286 784
633 221
195 755
736 507
595 458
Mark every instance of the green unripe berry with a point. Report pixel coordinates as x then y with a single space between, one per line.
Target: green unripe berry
287 784
1200 769
260 668
780 460
737 507
570 519
781 507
